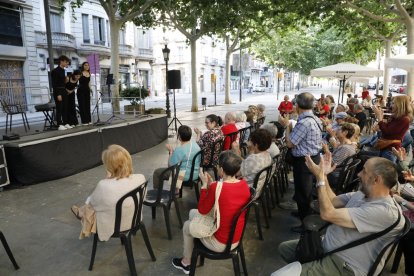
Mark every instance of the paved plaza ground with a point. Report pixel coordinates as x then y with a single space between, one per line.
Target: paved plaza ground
43 233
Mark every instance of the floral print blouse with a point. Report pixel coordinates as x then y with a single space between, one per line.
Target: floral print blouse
206 141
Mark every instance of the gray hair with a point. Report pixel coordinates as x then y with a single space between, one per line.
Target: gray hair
305 100
261 107
231 115
271 128
386 169
358 107
241 117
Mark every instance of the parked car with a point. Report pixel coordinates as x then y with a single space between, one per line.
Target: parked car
372 86
259 89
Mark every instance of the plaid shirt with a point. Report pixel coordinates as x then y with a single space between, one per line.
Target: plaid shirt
306 136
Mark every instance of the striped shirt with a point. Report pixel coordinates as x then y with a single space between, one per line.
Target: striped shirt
306 136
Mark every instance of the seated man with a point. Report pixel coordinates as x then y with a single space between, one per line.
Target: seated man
360 115
353 216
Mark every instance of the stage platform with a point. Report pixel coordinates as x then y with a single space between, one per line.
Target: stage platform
56 154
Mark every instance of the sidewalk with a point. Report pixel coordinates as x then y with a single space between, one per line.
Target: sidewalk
43 233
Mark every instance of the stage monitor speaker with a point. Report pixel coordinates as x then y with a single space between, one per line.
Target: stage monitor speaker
110 79
174 79
4 173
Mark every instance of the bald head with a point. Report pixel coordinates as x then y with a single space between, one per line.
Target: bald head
305 101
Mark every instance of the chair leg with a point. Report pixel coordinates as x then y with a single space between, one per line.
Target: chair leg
177 210
243 259
129 254
95 243
24 123
202 260
147 241
236 266
27 122
8 251
265 215
397 259
167 221
197 192
7 122
11 122
193 265
259 226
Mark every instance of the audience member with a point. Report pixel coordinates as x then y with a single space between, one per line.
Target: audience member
273 150
119 181
353 216
254 111
304 139
260 111
229 127
360 115
365 93
258 158
183 153
285 107
233 196
208 138
367 102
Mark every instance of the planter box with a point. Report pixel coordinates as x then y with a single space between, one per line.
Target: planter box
156 111
131 109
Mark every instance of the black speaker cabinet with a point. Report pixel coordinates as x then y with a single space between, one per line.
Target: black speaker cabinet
110 79
174 79
4 173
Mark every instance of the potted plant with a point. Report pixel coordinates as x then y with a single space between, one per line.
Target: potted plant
135 95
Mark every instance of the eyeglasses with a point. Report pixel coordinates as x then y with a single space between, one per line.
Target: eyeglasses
206 122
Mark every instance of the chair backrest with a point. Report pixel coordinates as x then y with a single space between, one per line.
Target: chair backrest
231 137
137 196
244 133
4 105
246 210
193 164
173 171
388 249
262 178
347 176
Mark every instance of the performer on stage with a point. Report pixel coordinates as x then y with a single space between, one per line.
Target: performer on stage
59 91
69 106
84 94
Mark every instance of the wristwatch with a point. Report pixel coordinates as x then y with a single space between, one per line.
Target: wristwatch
320 183
403 203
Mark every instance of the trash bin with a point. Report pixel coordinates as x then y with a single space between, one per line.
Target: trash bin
204 102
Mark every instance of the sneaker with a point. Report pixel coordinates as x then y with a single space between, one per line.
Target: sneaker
62 127
68 126
176 262
289 205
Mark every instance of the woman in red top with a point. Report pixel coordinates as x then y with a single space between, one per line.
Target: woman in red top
285 107
235 194
229 127
396 126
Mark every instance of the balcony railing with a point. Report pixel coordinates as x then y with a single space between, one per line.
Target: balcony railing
145 53
126 50
59 40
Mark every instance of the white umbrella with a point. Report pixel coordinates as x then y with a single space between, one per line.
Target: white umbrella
345 71
405 62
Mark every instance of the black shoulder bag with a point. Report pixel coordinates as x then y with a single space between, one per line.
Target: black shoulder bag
310 247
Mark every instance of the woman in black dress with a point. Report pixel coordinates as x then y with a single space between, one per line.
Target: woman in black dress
70 106
84 94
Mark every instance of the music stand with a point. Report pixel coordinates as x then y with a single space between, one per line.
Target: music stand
96 108
174 119
114 117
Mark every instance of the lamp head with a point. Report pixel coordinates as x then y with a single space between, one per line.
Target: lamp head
166 53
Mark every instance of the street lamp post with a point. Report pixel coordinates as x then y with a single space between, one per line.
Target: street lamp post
166 54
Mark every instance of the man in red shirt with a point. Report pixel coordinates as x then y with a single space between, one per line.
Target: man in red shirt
285 107
365 93
229 127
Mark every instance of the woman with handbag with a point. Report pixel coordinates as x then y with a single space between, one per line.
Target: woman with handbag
221 200
393 130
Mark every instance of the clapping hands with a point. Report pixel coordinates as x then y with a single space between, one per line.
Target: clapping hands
400 153
323 168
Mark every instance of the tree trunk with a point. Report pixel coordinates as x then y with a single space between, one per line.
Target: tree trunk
227 99
114 30
410 50
385 90
194 105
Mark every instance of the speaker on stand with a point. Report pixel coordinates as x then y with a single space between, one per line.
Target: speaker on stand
174 82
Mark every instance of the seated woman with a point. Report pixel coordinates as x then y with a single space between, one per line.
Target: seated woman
258 158
234 195
241 122
342 144
273 150
183 153
118 182
207 139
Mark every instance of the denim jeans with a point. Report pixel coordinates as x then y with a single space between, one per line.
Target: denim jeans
388 155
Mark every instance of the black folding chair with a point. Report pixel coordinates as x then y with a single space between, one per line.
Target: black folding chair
14 109
193 181
164 198
8 251
137 195
202 251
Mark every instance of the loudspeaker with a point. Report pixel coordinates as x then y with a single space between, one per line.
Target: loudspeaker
110 79
4 173
174 79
